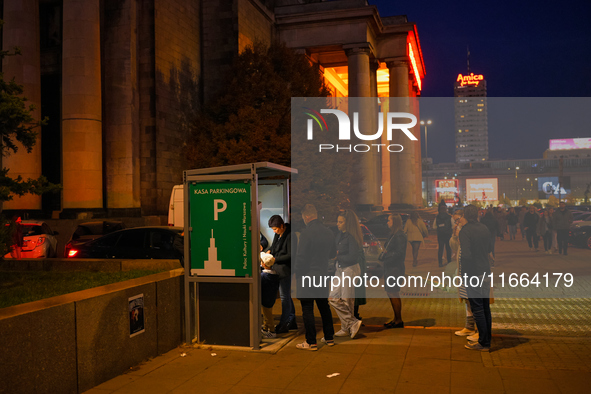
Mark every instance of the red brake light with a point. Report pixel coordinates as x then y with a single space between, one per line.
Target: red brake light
72 253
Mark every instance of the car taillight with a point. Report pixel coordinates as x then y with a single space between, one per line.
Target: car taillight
40 241
72 253
365 245
374 243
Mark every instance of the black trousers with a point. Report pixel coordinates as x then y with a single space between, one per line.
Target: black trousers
308 316
532 235
562 238
483 318
443 242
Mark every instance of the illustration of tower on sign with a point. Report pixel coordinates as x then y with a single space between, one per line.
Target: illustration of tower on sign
212 266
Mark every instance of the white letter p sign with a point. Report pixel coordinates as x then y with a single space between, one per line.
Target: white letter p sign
218 206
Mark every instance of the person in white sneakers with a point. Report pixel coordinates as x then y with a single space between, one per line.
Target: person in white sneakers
349 243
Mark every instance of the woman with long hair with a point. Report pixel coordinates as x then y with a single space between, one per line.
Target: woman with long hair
349 242
393 259
416 232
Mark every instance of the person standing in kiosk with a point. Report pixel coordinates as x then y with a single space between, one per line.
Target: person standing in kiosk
316 247
282 250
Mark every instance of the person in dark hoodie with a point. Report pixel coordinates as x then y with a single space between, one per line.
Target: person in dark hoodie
474 245
316 247
283 248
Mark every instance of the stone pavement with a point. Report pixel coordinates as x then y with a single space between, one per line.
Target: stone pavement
405 360
539 346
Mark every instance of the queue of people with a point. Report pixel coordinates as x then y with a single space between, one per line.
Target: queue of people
464 238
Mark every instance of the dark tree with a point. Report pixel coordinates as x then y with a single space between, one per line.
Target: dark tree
250 120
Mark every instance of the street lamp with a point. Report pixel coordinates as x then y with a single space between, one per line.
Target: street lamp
516 195
423 123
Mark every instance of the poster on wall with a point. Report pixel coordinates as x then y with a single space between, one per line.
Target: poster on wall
448 190
136 315
482 189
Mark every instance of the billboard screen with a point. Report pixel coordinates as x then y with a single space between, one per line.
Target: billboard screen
549 185
482 189
570 143
448 190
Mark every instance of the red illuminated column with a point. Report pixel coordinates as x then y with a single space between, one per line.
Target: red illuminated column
81 105
21 28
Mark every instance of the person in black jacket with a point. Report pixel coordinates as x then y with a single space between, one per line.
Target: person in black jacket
393 259
512 221
349 244
282 248
530 224
444 228
316 247
490 221
474 245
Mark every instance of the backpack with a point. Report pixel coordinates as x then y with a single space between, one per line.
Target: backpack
444 226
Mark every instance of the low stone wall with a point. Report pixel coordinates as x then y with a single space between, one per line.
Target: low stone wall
92 265
71 343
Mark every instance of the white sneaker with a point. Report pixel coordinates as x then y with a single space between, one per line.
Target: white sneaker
464 332
306 346
328 343
473 338
341 333
355 328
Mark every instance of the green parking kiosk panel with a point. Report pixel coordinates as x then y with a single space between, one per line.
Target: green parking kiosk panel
221 236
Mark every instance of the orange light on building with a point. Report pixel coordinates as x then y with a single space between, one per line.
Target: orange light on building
469 79
415 69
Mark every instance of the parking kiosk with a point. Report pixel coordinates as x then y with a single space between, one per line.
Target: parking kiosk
222 238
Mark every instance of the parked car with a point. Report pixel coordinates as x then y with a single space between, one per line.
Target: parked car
133 243
38 240
91 230
580 234
379 225
582 217
372 247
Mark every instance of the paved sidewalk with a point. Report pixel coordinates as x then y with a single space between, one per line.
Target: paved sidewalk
391 361
539 346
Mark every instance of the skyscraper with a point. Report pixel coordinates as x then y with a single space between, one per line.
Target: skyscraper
471 118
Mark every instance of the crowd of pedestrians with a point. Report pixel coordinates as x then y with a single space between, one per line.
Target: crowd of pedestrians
467 238
548 225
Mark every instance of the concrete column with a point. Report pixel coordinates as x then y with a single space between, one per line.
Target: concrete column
361 101
21 28
81 105
402 171
358 67
121 113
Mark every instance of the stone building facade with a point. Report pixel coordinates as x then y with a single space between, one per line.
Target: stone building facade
119 80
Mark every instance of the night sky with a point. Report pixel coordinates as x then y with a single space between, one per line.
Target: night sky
524 49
